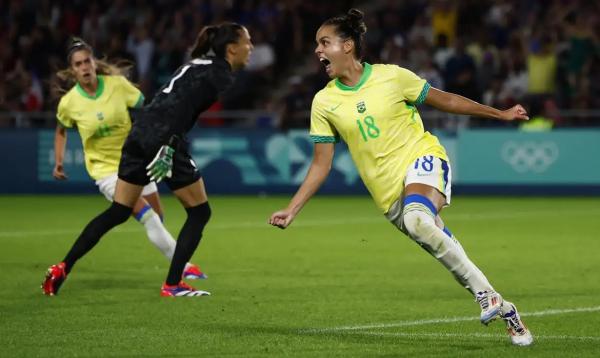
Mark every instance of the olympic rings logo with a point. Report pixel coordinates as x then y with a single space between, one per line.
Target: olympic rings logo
530 156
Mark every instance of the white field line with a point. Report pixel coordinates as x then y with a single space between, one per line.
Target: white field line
314 223
447 320
470 336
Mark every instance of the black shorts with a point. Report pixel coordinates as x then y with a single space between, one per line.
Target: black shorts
140 148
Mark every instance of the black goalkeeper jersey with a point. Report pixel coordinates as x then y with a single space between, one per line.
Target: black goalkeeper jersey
193 88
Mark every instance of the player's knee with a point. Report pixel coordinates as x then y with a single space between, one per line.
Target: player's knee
418 221
118 213
144 213
200 214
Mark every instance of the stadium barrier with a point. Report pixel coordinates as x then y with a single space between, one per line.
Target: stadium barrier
267 161
515 162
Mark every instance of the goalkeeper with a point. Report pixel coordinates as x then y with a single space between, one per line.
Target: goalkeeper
96 99
156 149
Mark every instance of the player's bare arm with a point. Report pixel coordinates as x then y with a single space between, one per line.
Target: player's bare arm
453 103
317 173
60 140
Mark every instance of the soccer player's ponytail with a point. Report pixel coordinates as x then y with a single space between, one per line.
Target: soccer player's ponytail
350 26
213 40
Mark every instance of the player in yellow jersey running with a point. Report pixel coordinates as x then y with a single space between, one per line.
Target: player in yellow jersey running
406 170
97 103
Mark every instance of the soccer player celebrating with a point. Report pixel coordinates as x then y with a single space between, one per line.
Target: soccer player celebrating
160 128
406 170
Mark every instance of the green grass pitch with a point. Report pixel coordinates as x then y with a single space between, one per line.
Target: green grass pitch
339 282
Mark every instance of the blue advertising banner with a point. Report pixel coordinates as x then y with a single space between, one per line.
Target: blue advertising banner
511 157
231 161
267 161
73 161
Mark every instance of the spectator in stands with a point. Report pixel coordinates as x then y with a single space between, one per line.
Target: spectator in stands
541 66
295 104
459 73
94 27
442 52
515 85
141 46
444 17
262 61
33 31
431 73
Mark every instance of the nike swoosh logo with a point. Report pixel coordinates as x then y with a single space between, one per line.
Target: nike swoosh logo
334 108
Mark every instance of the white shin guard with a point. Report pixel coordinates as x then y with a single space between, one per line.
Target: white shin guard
419 223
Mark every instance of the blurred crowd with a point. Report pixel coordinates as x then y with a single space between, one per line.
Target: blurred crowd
541 53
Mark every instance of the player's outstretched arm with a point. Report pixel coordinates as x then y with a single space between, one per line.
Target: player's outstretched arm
317 173
60 140
453 103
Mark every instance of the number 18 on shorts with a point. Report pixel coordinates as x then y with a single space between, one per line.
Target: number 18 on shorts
432 171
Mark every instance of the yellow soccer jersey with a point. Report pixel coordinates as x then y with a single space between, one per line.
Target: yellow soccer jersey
102 120
378 120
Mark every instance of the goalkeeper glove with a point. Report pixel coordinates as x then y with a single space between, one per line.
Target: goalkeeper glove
161 166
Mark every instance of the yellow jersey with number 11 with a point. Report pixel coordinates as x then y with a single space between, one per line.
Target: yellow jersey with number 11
102 120
379 122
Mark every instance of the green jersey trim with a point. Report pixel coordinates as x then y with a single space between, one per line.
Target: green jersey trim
363 78
140 101
423 94
324 139
99 90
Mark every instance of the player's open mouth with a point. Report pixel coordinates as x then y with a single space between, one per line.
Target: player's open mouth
325 63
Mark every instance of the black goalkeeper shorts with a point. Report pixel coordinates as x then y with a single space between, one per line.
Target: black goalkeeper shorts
139 150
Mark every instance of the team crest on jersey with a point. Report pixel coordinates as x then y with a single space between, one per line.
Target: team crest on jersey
100 116
361 107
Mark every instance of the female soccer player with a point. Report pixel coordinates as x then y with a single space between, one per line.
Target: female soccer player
173 111
406 170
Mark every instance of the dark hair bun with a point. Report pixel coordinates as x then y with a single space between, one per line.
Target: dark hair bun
355 18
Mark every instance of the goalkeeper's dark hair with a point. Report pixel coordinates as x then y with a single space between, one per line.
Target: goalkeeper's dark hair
350 26
215 38
65 79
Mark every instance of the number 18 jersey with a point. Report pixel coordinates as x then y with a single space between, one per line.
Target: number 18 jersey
379 122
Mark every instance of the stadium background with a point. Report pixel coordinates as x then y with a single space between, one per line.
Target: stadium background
340 282
543 54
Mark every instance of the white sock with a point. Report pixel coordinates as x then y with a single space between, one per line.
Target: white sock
471 276
445 248
158 234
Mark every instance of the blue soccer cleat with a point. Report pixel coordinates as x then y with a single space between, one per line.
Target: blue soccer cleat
193 272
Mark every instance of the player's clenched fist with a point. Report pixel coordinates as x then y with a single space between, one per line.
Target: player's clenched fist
281 219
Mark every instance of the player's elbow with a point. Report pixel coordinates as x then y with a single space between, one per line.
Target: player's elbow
452 103
322 168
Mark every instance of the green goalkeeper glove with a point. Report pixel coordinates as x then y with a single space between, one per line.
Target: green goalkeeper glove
161 166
